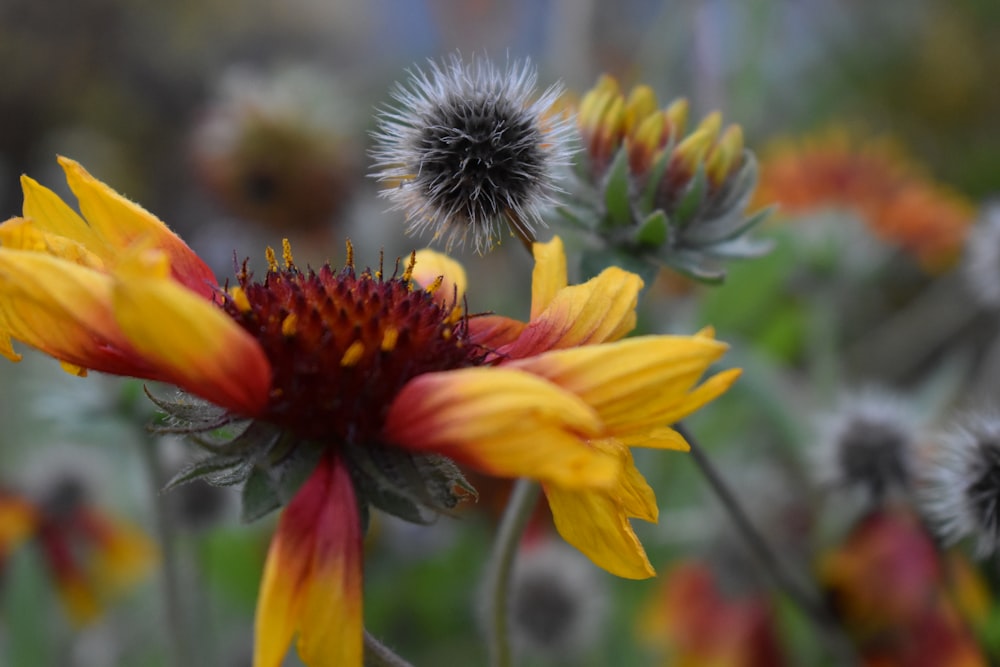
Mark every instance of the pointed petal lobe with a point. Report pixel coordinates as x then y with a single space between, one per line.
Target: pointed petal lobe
549 274
120 223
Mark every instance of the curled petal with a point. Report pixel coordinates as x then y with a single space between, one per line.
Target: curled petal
597 524
502 422
52 215
22 234
598 311
312 576
120 223
432 265
494 331
549 274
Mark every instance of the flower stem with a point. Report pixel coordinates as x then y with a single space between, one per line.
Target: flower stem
805 600
378 654
169 571
515 518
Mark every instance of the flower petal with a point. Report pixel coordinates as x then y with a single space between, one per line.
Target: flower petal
632 491
193 343
432 265
637 384
312 576
64 310
596 524
502 422
18 519
52 215
120 223
600 310
494 331
22 234
549 274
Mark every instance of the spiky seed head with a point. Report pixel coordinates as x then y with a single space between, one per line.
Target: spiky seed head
981 261
868 445
469 150
558 603
960 489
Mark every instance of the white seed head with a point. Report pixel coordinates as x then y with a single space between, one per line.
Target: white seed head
558 603
868 445
981 262
960 483
468 151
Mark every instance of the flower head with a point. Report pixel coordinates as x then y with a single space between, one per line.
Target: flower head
873 177
961 491
330 392
469 151
869 444
663 194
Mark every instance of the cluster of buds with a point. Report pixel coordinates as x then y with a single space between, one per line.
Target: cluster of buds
666 197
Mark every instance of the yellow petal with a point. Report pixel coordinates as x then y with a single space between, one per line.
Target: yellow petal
63 310
120 223
18 519
192 342
600 310
432 265
633 379
494 331
504 423
22 234
549 274
53 215
594 523
631 491
125 554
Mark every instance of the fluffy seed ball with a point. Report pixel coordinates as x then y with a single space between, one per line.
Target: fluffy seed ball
558 604
469 151
961 484
868 445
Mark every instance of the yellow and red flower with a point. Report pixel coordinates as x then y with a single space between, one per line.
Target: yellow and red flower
874 178
342 361
91 555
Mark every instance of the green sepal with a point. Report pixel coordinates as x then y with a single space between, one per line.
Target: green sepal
653 230
413 487
724 228
647 200
216 470
692 200
259 496
694 265
616 191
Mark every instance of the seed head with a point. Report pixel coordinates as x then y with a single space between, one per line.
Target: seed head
558 603
868 445
961 490
468 151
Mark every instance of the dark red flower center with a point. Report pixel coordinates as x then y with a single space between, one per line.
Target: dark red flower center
342 344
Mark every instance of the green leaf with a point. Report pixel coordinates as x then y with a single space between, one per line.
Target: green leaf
259 497
616 191
653 230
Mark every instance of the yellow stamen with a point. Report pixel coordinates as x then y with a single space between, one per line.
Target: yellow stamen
349 263
389 339
289 325
353 354
446 333
410 264
286 253
272 261
239 298
435 286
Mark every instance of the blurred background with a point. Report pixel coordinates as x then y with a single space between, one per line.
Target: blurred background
240 123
